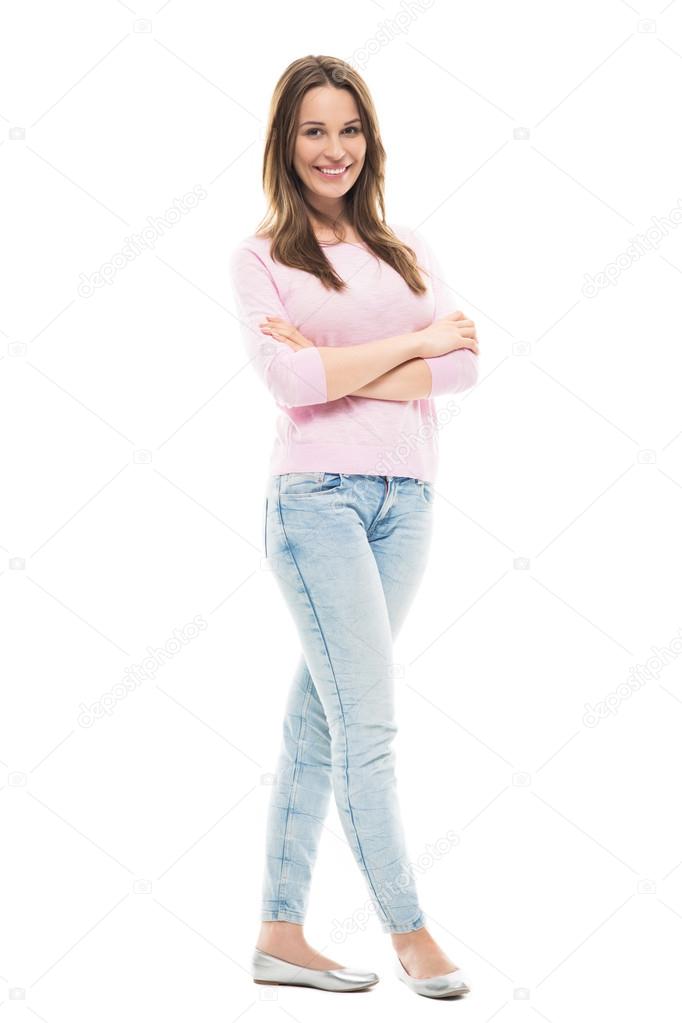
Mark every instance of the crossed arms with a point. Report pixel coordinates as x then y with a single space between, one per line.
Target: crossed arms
391 369
297 373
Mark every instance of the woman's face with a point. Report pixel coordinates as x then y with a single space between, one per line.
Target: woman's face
335 140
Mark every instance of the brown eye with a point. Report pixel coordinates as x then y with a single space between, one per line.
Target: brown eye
351 128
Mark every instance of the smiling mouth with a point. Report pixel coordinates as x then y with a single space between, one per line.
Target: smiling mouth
332 172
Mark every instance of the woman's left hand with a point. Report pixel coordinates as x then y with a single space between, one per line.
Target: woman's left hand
286 332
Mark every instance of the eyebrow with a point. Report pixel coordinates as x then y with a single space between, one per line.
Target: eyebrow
322 122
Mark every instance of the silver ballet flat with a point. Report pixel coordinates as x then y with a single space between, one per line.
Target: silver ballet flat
267 969
454 983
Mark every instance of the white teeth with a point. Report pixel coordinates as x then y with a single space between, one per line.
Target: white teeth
339 171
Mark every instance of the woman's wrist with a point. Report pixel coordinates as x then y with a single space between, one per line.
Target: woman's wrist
411 345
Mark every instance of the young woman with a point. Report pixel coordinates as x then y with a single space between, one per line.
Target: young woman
353 343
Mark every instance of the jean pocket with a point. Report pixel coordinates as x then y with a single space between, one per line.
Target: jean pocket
426 491
307 484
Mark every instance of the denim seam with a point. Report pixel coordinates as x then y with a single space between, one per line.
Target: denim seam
284 874
343 716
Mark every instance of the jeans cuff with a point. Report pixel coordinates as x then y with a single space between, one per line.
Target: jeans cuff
282 914
390 928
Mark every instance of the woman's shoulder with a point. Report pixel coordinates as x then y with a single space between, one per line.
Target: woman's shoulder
251 251
257 242
417 242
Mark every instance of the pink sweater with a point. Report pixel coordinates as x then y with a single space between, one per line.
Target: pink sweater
350 434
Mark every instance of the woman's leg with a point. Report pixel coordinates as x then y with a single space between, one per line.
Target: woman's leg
300 796
298 804
348 561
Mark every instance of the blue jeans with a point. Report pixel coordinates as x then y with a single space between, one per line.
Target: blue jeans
348 552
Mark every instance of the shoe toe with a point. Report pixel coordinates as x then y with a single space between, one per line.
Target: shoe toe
440 986
454 983
352 977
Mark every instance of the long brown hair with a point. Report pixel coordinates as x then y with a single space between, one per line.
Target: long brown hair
287 220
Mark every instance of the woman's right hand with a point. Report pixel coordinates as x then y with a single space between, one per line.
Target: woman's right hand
447 335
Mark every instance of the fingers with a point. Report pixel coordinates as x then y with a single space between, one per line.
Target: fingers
273 323
280 337
462 322
287 331
278 330
472 346
458 315
277 321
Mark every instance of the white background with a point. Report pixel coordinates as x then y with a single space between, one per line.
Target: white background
530 142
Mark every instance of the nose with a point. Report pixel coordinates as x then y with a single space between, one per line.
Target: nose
337 152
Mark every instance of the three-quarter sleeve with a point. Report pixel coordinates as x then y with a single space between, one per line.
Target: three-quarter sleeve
293 378
456 371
